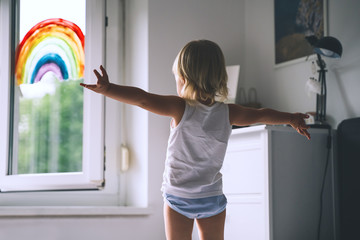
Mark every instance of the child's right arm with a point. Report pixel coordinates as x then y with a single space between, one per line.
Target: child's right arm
244 116
172 106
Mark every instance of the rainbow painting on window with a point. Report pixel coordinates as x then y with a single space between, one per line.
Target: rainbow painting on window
53 45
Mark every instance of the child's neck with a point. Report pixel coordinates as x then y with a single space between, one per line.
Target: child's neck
207 102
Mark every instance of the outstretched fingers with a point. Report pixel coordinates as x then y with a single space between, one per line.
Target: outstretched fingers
304 132
97 74
103 71
89 86
298 123
101 78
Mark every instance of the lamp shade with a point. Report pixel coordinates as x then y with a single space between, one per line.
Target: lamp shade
328 47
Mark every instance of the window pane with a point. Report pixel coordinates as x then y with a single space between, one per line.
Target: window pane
47 99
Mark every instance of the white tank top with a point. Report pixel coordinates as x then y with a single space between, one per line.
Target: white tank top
196 150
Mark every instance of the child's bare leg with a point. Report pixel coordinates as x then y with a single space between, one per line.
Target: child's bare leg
177 226
212 228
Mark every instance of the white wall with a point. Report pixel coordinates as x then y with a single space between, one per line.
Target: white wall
244 30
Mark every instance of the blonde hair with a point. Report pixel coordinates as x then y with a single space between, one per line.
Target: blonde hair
201 65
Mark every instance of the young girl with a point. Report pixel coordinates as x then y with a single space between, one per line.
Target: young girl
200 129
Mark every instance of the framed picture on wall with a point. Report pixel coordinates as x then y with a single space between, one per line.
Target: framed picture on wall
295 19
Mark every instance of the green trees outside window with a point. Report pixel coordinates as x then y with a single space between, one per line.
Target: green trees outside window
50 130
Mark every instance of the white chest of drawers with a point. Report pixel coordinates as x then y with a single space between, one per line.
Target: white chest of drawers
272 178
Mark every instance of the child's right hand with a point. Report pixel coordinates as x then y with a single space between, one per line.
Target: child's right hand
102 84
298 123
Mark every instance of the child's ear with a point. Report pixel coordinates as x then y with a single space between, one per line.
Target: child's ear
182 80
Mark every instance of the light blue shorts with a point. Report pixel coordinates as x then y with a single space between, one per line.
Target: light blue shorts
197 208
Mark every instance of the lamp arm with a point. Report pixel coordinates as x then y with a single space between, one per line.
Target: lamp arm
321 98
320 62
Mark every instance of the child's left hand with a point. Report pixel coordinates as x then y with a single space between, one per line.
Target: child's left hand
298 123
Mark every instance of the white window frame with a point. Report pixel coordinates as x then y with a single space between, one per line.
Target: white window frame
92 175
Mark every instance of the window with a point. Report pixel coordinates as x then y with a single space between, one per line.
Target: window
52 132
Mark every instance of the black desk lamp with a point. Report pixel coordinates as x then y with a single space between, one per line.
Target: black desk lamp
328 47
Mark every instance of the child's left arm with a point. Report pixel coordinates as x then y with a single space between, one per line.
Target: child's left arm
243 116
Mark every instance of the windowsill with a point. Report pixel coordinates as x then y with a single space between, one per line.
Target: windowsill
29 211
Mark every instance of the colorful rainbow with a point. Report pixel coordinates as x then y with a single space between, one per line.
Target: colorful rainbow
53 45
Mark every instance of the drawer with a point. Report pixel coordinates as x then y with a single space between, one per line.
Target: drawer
244 171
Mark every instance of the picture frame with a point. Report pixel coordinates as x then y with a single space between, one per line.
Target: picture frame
293 20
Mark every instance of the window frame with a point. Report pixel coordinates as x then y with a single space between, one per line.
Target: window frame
92 175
